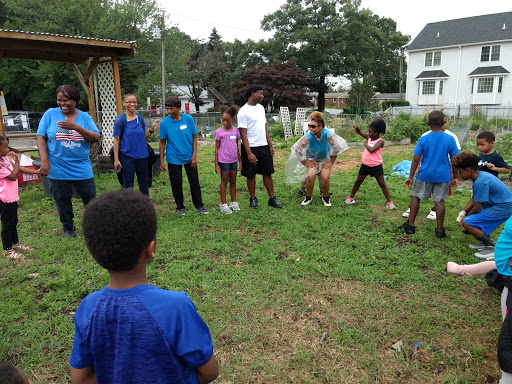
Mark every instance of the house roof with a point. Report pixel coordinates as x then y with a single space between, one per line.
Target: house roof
432 75
469 30
336 95
494 70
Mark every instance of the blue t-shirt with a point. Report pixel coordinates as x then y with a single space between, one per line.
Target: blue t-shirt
180 137
502 254
319 149
68 151
493 158
140 335
133 142
495 196
435 164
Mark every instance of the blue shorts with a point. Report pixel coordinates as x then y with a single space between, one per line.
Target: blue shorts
228 167
485 222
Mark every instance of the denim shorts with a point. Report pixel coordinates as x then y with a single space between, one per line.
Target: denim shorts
439 191
228 167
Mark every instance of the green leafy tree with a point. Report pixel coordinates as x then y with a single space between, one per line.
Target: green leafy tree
285 85
361 95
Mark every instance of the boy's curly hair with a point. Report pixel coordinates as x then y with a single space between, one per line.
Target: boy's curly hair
230 110
318 117
465 160
379 126
117 226
487 136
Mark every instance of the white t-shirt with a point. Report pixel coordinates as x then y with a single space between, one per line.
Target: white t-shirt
451 134
253 118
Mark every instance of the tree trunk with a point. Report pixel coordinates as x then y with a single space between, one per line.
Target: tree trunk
321 94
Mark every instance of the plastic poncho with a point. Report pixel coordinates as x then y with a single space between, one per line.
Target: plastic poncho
309 147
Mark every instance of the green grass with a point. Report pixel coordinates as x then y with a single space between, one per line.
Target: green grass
270 282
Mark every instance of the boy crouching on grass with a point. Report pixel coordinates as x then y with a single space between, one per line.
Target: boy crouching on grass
130 331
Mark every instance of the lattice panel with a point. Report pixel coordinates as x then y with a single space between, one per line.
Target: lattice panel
300 118
107 96
285 119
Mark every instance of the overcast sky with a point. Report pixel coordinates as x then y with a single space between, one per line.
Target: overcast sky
241 19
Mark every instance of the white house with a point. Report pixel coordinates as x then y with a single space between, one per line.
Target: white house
187 105
462 65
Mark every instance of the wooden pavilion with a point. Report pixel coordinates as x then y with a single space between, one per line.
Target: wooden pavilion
100 57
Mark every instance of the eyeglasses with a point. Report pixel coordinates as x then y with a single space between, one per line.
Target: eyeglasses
313 126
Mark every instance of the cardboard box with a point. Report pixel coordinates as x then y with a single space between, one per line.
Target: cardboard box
25 178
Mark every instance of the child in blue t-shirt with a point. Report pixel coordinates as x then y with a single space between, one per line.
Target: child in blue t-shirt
130 331
489 207
491 161
435 175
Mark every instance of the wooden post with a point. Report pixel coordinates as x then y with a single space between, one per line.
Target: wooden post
2 129
90 94
117 85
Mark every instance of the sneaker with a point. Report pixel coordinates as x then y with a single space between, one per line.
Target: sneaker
307 200
390 205
301 192
486 254
272 202
12 254
432 215
253 202
408 228
406 213
478 246
224 208
69 234
440 234
349 200
181 211
202 210
234 206
326 201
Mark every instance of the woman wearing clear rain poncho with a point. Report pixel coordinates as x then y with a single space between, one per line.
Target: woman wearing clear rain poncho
314 153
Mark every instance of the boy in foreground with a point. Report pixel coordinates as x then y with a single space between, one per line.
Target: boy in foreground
129 331
489 207
435 174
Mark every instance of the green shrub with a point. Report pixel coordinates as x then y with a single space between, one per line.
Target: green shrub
394 103
406 126
276 131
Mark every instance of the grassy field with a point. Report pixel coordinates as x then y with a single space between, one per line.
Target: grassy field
303 294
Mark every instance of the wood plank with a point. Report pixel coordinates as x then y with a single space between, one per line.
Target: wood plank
117 85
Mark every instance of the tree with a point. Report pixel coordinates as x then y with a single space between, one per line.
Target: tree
285 85
361 95
333 38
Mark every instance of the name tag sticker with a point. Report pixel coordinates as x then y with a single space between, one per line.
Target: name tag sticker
232 137
182 127
371 144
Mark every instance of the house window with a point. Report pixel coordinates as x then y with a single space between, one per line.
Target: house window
485 85
432 58
491 53
333 99
441 87
500 84
429 87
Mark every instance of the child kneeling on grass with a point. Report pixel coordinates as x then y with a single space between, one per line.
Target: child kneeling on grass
9 170
129 331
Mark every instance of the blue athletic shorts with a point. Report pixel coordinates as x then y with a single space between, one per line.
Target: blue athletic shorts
485 222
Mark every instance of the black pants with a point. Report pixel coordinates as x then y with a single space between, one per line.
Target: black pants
176 179
9 215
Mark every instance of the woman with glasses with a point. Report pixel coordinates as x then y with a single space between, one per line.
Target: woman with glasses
317 151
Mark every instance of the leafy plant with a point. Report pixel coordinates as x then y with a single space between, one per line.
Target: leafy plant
407 126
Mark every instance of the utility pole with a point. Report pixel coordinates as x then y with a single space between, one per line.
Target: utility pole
163 66
401 74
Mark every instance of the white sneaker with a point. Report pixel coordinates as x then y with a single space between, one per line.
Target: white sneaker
486 254
306 201
432 215
406 213
234 206
349 200
326 201
224 208
478 246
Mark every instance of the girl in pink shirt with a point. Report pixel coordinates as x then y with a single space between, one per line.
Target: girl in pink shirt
372 160
227 157
9 170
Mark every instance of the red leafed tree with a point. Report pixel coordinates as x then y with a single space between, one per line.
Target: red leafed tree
284 85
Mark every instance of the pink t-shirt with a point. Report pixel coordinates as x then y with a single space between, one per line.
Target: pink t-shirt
372 159
228 150
8 188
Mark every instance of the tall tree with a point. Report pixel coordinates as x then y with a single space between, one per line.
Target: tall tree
361 95
324 37
285 85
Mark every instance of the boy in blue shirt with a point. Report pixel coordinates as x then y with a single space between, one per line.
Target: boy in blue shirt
178 140
435 174
490 205
129 331
490 160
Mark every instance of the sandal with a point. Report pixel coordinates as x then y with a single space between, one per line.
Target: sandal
12 254
24 248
